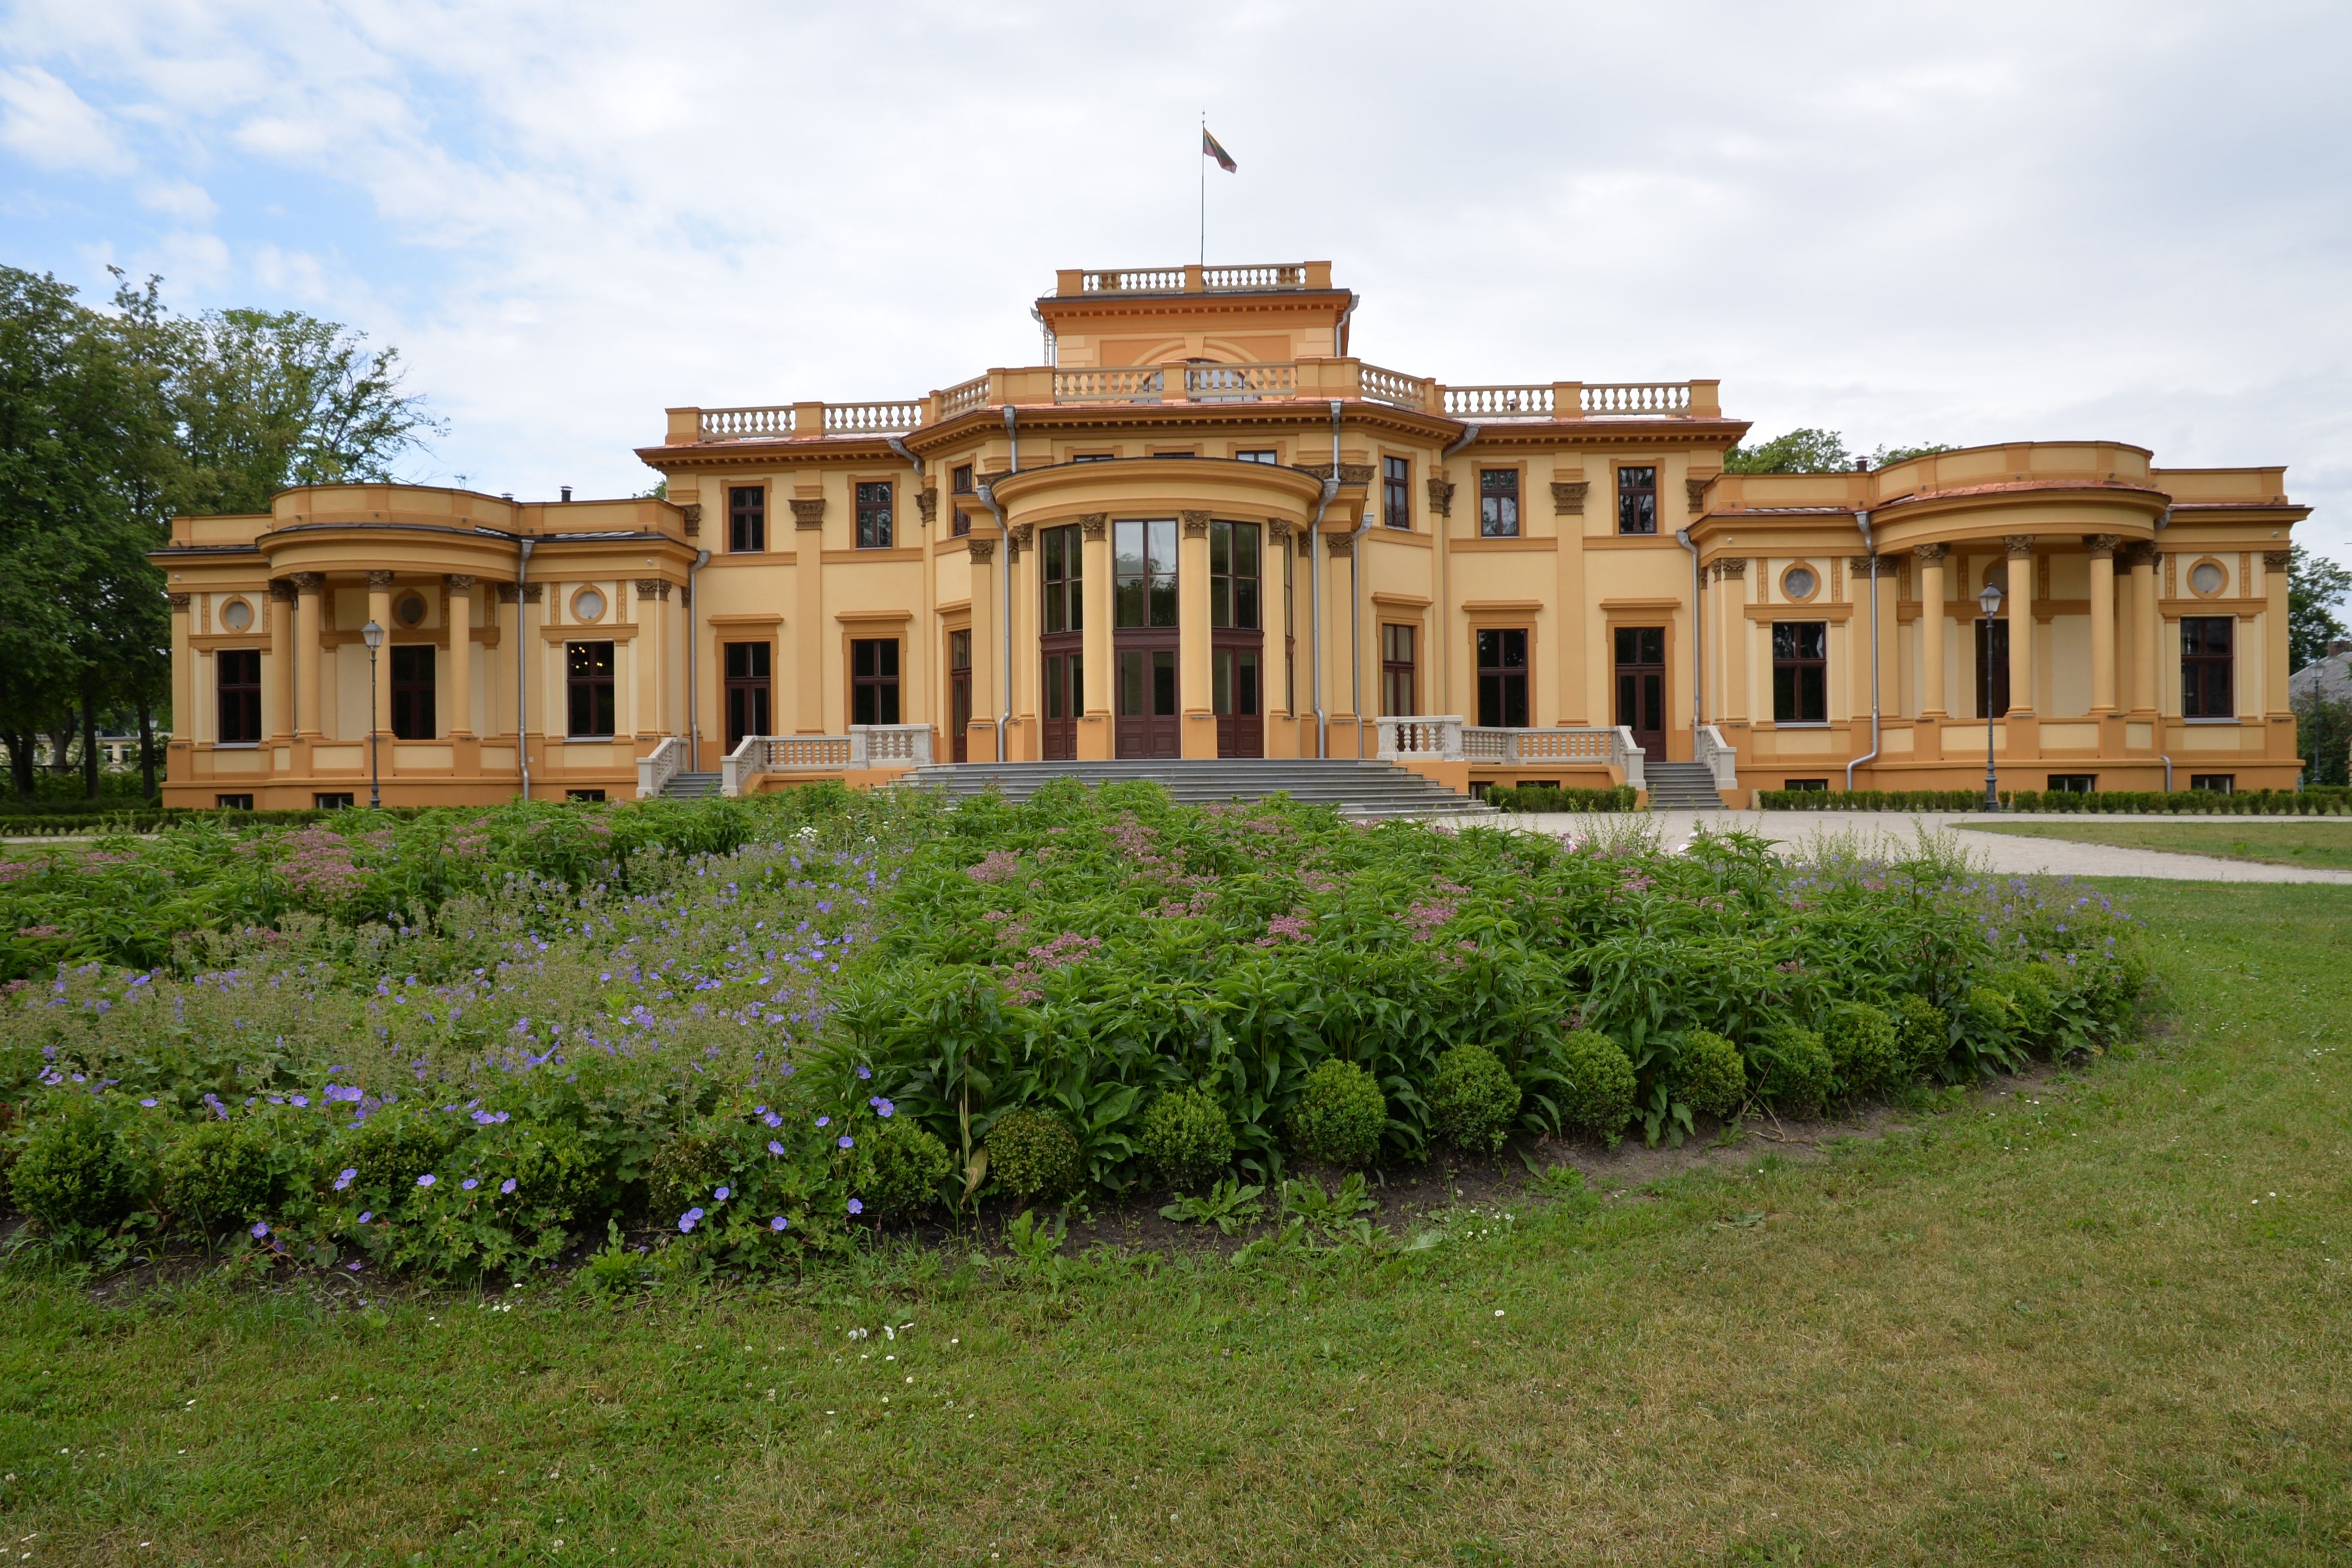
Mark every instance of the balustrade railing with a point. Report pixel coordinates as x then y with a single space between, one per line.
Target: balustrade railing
738 423
1395 387
1119 383
875 745
865 746
964 397
658 766
1239 383
1438 735
1499 401
1709 747
1274 275
1636 397
872 418
1446 738
1136 279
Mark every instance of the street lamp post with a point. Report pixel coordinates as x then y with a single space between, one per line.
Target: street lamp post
1989 603
373 635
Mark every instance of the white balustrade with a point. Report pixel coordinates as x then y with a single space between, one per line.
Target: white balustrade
1395 387
658 766
1433 735
872 418
1636 397
1239 383
1276 274
1118 383
1499 401
1709 747
1626 755
964 398
875 745
746 423
1135 279
865 746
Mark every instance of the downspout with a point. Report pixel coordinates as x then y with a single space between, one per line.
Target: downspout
930 623
1444 606
2158 695
1698 642
693 703
1315 591
522 648
1355 622
1862 520
988 499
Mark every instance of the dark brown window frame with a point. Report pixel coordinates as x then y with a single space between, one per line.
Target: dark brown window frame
1061 596
1396 492
1800 680
1503 712
412 716
747 518
1643 519
885 707
239 700
1498 507
2209 672
1236 598
590 693
1399 673
876 513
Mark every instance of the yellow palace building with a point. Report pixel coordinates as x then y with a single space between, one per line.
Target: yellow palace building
1206 529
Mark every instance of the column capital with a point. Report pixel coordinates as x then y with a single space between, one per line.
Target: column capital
2102 546
1931 554
307 582
982 551
1278 528
1093 524
1441 496
532 593
458 582
692 513
2136 556
509 594
926 502
281 590
2017 546
2277 560
1022 533
1340 545
1859 565
808 512
379 582
1196 524
651 588
1568 496
1732 566
180 602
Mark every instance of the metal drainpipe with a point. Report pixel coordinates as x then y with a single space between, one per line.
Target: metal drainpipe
1445 565
987 498
1862 520
1698 643
522 647
2157 697
693 706
1315 591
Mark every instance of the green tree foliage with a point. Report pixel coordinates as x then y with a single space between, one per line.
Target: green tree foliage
1807 450
2323 733
2314 586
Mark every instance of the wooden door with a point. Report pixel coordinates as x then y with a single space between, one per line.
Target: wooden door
1145 643
1642 686
747 685
1992 668
1061 599
960 696
1236 643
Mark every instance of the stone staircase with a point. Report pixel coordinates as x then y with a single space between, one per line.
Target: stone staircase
1682 786
690 786
1368 790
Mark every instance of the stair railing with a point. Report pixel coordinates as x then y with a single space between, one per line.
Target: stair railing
1709 747
658 766
1625 755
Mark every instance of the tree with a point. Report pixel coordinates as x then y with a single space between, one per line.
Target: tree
2314 585
2323 733
1806 450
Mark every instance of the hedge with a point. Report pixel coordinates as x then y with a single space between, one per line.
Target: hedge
2333 800
1551 797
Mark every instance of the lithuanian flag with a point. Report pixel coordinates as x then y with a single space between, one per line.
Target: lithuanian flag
1208 149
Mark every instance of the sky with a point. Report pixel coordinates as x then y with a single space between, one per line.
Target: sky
1955 223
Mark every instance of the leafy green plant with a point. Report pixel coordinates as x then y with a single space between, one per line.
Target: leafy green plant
1792 1067
1229 1205
1864 1052
1187 1138
1598 1091
217 1174
1923 1036
1709 1076
1034 1153
902 1169
78 1175
1340 1115
1328 1211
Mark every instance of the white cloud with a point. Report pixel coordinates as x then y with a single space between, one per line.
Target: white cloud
182 199
49 124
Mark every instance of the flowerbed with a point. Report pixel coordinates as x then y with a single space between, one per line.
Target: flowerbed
761 1046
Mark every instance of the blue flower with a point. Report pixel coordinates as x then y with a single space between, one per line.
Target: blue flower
148 1103
774 1147
722 1195
346 1179
855 1207
865 1072
508 1186
779 1223
824 1121
468 1184
366 1214
260 1229
884 1108
847 1143
689 1220
424 1180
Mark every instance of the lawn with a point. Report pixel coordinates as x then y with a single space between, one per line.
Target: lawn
2318 842
2098 1317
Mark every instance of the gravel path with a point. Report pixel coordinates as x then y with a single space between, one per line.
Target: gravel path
1998 851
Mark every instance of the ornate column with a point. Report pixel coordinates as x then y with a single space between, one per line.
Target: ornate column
2024 729
1281 739
1097 730
1028 674
655 710
2279 744
458 712
2102 547
308 586
1200 719
185 726
987 652
808 597
379 611
281 659
1930 559
2147 687
1731 591
537 658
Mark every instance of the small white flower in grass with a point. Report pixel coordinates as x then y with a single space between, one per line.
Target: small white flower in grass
1498 1311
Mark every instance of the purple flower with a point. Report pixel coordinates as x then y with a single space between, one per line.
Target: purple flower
424 1180
774 1147
722 1195
865 1072
884 1108
759 1111
260 1229
366 1214
346 1179
468 1184
301 1101
689 1220
779 1223
148 1103
508 1186
855 1207
824 1121
847 1143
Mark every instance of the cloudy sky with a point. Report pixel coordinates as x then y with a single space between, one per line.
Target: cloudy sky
1960 223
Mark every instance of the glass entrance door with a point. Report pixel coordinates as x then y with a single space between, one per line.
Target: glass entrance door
1144 639
1642 686
1236 644
748 691
1062 690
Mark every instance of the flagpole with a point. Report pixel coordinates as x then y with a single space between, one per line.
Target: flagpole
1202 159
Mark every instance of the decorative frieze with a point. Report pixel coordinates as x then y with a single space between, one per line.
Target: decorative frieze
458 582
1567 497
1196 524
1441 496
1350 473
808 512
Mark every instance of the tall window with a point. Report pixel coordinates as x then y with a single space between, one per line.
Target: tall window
1498 502
962 525
588 681
959 692
2207 686
1503 678
1143 567
1801 672
1396 492
411 691
238 672
874 680
1234 576
874 515
747 518
748 693
1637 500
1061 565
1397 670
960 479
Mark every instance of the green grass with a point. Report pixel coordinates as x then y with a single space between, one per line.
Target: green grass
2068 1325
2277 840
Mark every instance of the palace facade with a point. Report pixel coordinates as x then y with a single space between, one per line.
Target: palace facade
1205 528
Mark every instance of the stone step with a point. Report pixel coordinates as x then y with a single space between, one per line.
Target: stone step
1682 786
690 786
1365 789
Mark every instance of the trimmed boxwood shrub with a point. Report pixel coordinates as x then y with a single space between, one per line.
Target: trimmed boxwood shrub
390 1149
1792 1067
902 1168
1863 1052
1473 1100
1596 1091
1034 1153
1923 1036
77 1173
1340 1115
218 1175
1187 1138
1709 1076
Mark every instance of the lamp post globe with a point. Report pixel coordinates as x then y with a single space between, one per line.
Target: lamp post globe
373 635
1989 603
